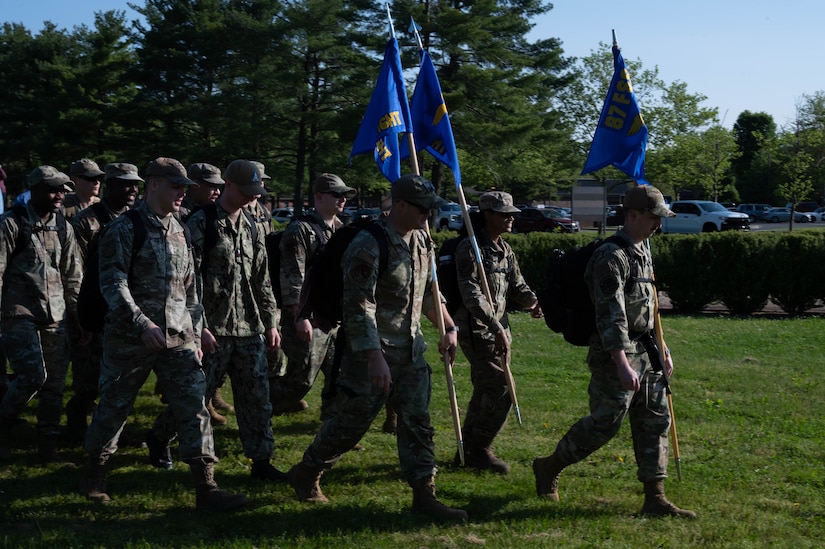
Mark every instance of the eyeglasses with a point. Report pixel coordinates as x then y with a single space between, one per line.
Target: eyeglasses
507 215
336 194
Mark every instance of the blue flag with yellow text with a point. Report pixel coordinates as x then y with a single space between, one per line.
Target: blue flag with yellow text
387 116
621 136
431 123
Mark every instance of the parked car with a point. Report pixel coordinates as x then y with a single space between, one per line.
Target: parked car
819 213
543 219
282 215
449 217
753 210
777 215
703 216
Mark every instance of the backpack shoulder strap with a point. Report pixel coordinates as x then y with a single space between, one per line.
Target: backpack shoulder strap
100 212
60 223
252 224
380 236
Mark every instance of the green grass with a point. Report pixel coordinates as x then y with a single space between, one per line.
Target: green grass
747 394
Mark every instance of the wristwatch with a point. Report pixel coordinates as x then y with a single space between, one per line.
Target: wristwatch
453 328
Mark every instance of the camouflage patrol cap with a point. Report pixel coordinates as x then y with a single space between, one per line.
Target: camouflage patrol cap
497 201
121 171
206 173
331 183
85 168
245 174
416 190
261 170
169 168
51 177
647 197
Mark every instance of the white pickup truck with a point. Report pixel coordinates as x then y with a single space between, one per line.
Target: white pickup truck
703 216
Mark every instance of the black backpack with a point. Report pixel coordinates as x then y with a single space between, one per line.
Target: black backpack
273 252
91 305
24 226
565 299
323 291
448 275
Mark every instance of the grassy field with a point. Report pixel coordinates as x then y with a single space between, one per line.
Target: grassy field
751 430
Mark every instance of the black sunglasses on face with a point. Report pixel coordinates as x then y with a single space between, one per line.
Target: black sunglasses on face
336 194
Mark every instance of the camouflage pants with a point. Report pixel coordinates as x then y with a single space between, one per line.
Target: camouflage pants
358 402
490 403
610 403
123 371
304 361
38 355
244 360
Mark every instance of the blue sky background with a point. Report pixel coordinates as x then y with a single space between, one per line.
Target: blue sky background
758 55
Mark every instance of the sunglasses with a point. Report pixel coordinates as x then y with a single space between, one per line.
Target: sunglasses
336 194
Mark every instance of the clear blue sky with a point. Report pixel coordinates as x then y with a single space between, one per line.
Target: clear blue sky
756 55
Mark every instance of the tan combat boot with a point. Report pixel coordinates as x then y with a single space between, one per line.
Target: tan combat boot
93 483
219 403
547 471
656 504
305 481
217 418
207 494
484 459
425 502
391 422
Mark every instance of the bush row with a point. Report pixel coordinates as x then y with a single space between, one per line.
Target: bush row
742 270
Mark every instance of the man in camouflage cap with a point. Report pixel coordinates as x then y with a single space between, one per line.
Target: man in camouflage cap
240 316
307 347
384 355
485 329
121 187
153 323
40 274
208 188
86 176
626 370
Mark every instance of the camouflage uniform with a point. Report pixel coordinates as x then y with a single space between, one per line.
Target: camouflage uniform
621 314
39 289
239 307
299 244
262 218
71 205
162 290
85 358
383 313
490 404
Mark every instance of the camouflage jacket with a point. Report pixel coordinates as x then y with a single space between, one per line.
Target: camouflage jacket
503 277
161 288
235 287
71 205
299 244
87 225
262 217
42 281
623 303
385 313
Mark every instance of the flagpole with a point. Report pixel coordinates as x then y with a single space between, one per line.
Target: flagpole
511 384
442 331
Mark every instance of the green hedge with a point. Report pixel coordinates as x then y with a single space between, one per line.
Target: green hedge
742 270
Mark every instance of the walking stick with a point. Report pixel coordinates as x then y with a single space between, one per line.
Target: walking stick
448 367
508 374
660 338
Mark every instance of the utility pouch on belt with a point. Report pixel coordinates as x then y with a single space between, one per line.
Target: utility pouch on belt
651 346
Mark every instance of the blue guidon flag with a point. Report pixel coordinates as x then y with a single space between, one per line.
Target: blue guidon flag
431 122
621 136
387 116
